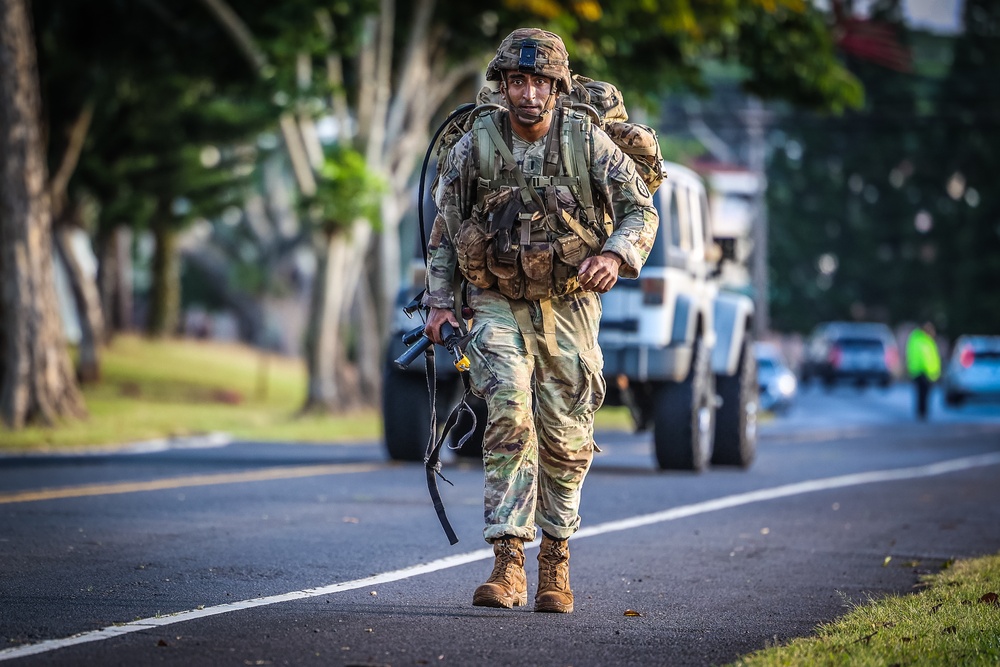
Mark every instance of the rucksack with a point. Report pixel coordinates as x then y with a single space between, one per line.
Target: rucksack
599 99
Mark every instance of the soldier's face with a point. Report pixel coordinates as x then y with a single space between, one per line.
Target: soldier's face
528 96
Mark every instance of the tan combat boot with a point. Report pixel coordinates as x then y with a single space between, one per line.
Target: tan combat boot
553 593
507 586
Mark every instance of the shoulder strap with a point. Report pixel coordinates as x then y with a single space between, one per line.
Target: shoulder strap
509 163
574 144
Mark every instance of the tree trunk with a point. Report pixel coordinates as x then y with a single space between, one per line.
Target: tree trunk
114 278
322 333
37 383
165 290
88 305
370 348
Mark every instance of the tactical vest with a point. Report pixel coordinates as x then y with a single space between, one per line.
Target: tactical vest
521 239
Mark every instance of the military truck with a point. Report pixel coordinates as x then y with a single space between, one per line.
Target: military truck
677 350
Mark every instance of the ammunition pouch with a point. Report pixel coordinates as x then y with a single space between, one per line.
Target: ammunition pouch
518 251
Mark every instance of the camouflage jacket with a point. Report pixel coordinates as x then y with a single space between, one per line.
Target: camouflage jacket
613 178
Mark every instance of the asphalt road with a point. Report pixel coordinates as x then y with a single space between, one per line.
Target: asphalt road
253 554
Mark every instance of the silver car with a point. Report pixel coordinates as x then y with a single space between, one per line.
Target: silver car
778 384
973 370
857 352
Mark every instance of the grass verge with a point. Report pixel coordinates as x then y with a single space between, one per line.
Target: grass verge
953 620
152 389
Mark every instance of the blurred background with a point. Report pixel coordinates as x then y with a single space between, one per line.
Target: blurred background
209 207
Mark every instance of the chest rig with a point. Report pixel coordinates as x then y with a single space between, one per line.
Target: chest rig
523 238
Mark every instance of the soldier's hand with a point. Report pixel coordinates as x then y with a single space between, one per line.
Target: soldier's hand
436 318
600 272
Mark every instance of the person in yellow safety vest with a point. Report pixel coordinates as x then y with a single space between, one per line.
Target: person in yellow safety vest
923 364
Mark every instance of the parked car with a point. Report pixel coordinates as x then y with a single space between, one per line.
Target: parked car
858 352
973 370
778 384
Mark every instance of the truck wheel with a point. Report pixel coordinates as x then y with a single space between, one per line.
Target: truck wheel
406 419
684 417
736 419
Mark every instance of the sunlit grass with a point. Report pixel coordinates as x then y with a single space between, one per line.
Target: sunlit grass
953 620
153 389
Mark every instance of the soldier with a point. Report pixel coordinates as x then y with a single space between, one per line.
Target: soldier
540 212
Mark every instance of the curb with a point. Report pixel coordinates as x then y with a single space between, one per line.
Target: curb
205 441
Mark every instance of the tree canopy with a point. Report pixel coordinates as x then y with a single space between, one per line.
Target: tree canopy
888 213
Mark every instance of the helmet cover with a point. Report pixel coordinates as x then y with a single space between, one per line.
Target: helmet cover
534 51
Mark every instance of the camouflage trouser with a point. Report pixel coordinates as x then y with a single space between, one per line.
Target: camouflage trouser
535 463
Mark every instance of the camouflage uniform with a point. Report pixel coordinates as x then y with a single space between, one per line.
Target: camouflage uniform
541 402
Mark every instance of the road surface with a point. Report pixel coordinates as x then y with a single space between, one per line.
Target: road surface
263 554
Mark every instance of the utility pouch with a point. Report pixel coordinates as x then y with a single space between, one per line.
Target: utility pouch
472 250
501 269
512 287
536 260
571 249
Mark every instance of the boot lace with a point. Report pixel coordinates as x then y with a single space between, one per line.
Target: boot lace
554 560
506 557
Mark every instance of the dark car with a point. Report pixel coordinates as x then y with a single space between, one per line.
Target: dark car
973 370
778 385
861 353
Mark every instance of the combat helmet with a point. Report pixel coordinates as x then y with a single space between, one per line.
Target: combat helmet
535 51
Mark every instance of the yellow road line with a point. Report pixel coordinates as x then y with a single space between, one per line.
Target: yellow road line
182 482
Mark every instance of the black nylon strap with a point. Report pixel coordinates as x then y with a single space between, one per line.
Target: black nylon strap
432 458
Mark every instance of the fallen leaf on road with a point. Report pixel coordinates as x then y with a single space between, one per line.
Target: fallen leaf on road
632 612
886 561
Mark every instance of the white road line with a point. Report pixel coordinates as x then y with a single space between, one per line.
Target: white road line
684 511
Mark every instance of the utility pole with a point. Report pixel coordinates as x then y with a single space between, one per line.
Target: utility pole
756 119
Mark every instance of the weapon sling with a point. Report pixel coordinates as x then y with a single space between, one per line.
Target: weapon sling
432 457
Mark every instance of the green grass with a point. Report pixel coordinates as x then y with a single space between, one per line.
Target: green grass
952 620
153 389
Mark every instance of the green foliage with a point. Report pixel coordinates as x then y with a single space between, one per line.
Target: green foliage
870 190
165 82
169 76
794 46
963 243
646 47
348 190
